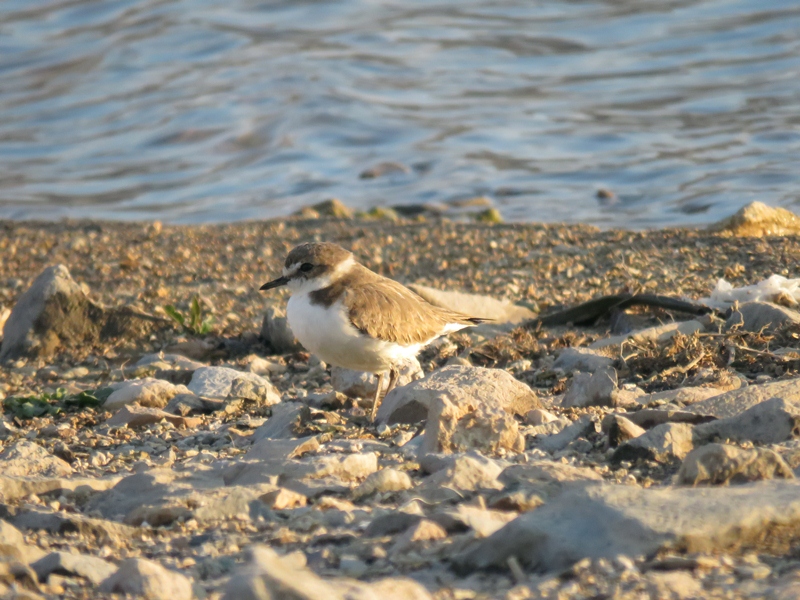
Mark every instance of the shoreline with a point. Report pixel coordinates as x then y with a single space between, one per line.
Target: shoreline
197 448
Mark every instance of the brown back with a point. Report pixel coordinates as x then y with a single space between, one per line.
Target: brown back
386 310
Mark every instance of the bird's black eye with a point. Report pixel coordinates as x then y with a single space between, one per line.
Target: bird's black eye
306 267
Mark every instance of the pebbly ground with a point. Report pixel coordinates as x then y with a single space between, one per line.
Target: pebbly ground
652 455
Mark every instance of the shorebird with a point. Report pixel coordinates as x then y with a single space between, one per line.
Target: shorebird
354 318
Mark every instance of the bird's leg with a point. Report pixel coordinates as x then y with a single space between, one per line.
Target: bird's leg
394 375
378 391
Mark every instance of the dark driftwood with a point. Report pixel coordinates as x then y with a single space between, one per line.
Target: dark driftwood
590 312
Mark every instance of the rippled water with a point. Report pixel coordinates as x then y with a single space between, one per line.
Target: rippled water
192 110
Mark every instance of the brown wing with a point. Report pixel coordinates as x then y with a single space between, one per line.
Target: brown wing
393 313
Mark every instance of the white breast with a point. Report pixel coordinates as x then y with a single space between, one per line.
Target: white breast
328 333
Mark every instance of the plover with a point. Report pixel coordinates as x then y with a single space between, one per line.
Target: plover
354 318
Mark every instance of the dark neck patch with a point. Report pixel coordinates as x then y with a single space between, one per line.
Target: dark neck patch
327 296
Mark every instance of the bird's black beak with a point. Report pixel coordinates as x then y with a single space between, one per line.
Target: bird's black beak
275 283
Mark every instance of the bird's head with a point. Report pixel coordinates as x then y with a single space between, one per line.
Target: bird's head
312 266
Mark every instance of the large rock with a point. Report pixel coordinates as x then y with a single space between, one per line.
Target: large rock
28 459
276 332
721 464
269 576
759 220
761 316
154 393
218 382
65 563
770 422
460 385
148 579
734 402
55 314
13 546
663 443
604 521
358 384
464 426
499 311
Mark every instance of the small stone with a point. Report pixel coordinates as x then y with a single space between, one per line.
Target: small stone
664 443
385 480
283 499
722 464
187 404
262 392
217 382
556 442
539 416
333 207
154 393
482 521
423 531
591 389
142 577
621 430
351 467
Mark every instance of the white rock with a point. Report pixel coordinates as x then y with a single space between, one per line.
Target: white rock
595 389
154 393
385 480
148 579
460 386
216 382
539 416
27 459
